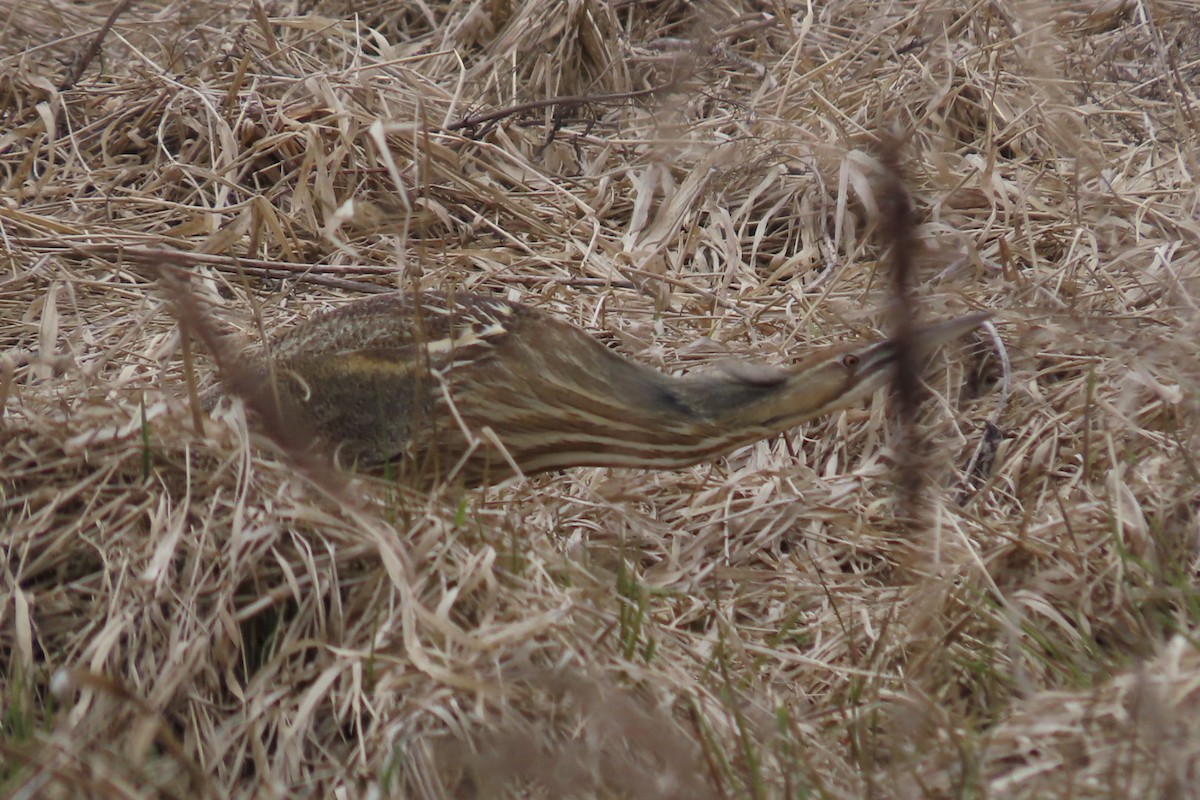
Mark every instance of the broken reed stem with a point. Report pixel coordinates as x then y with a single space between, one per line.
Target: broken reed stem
898 230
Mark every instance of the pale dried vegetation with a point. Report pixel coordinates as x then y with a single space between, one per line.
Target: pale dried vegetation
189 612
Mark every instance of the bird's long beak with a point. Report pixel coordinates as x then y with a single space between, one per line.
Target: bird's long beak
842 376
870 365
934 336
747 402
880 356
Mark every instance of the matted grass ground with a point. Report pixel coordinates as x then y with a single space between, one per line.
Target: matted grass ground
187 614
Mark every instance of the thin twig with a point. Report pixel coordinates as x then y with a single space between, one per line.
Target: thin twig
980 466
569 101
93 50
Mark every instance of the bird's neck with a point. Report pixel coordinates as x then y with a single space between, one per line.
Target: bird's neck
701 404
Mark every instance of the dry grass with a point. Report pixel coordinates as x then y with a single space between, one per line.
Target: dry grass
186 614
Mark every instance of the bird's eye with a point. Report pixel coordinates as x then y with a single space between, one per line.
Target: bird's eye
849 361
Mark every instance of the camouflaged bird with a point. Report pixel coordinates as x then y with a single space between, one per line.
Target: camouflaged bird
476 389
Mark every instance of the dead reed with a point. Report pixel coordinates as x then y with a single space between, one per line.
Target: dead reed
187 613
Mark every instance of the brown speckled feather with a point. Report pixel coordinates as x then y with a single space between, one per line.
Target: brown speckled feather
476 388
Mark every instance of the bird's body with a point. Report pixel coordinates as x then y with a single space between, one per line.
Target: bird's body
476 389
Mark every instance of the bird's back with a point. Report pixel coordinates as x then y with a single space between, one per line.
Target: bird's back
435 383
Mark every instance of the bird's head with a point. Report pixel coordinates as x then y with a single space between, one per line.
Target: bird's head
830 380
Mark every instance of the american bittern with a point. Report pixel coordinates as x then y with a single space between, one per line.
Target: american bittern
474 388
